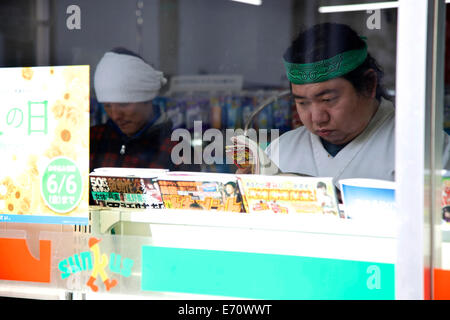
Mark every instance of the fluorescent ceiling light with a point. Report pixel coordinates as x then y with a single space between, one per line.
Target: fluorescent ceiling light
253 2
360 7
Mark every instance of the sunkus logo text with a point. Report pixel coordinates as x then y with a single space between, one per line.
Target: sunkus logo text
96 262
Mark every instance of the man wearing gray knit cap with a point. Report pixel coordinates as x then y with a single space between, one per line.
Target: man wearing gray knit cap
137 133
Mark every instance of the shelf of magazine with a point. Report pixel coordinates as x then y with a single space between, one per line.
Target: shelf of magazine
224 218
294 203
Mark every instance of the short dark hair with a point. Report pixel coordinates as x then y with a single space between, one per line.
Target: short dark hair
231 183
326 40
321 184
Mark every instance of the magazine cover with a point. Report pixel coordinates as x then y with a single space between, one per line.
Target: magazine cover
201 191
126 188
288 195
44 142
446 196
244 153
368 199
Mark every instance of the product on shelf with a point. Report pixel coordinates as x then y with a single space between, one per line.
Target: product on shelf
126 188
264 120
200 191
290 195
232 109
216 113
368 199
193 111
247 106
176 109
282 111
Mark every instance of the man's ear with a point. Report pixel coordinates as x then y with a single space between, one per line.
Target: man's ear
372 82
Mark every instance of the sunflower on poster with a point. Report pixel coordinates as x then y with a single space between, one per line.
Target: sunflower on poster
13 198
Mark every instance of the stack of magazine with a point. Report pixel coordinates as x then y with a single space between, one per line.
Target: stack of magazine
155 189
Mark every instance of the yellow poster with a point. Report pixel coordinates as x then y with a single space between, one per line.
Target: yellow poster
44 144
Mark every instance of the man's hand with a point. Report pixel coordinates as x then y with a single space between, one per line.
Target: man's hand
246 170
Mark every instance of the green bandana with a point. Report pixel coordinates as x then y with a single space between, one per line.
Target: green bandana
326 69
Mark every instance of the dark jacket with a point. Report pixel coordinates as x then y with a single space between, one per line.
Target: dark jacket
149 149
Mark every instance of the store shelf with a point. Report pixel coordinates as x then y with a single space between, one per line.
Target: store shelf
304 223
445 228
310 236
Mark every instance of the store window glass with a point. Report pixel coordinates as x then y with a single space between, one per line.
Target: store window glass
269 87
163 73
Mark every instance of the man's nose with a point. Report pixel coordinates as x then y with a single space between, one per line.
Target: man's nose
319 115
115 112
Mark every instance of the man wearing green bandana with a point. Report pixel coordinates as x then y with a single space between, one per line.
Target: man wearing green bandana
348 121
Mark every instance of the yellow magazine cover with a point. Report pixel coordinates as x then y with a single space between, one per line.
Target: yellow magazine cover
205 191
288 195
